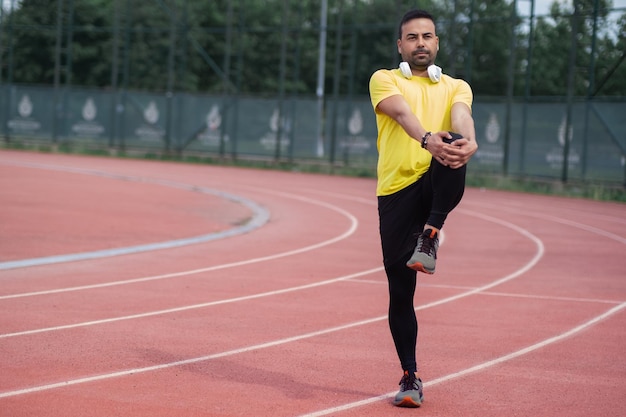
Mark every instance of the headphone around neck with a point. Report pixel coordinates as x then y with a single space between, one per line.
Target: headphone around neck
434 72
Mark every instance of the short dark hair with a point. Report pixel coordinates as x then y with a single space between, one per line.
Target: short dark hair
413 14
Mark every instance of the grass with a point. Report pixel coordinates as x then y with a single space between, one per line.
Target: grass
548 186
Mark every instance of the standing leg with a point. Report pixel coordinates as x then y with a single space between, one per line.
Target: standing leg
399 215
402 319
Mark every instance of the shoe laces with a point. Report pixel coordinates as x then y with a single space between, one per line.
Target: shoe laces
427 242
409 382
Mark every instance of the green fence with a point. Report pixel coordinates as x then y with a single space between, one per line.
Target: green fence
535 144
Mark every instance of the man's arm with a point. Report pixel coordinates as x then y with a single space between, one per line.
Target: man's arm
398 109
462 121
455 155
461 150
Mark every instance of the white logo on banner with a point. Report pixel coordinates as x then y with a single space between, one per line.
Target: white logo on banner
214 118
24 124
492 130
355 142
88 127
555 156
150 131
25 108
151 113
355 124
490 153
561 135
268 141
89 110
211 135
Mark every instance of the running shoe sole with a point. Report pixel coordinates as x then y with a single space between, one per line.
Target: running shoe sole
408 402
419 267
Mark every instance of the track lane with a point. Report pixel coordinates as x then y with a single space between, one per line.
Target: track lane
168 334
270 371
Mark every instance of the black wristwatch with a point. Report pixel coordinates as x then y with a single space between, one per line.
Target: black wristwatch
425 139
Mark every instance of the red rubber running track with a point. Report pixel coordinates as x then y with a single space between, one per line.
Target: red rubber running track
137 288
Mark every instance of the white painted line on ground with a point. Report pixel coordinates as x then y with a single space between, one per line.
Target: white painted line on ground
260 216
528 266
554 298
354 223
560 220
476 368
515 274
590 212
501 294
193 306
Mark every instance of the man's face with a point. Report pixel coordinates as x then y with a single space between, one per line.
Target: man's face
418 45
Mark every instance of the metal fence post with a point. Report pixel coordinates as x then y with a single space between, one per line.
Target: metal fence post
571 78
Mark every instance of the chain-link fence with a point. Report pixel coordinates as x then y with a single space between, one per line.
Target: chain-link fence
295 88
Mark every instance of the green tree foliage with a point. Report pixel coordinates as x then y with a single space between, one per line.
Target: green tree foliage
553 40
485 29
33 33
270 46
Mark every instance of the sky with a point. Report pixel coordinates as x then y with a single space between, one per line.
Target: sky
541 6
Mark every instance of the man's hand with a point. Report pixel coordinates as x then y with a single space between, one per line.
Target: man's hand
453 155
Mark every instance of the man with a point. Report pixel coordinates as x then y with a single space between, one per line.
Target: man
421 174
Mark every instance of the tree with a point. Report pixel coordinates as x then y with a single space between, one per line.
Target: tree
34 35
553 44
222 46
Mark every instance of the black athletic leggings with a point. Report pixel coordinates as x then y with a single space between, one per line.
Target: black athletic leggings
402 215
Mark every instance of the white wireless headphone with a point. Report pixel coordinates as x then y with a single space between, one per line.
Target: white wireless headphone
434 72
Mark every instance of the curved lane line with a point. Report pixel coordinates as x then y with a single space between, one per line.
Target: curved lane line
509 277
479 367
439 380
259 218
278 342
374 399
555 219
353 227
193 306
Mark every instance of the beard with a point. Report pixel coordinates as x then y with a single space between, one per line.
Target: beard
420 59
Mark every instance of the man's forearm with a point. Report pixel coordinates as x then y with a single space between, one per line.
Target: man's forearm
411 126
398 109
463 123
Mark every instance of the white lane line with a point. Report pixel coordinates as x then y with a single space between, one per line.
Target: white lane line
476 368
193 306
509 277
332 410
588 210
187 361
260 216
555 219
354 223
502 294
553 298
525 268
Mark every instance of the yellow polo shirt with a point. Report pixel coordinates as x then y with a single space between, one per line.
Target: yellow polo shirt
401 159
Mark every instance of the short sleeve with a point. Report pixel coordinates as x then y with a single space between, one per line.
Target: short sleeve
382 85
463 94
